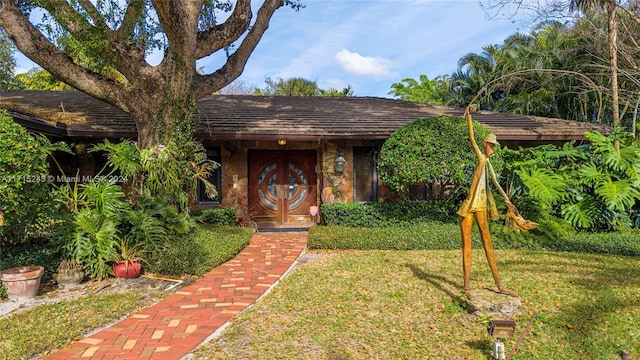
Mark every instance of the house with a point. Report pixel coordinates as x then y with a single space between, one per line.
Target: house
279 156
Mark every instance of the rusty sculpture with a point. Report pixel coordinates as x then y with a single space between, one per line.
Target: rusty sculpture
481 205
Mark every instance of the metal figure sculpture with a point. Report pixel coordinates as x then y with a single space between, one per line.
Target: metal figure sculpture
481 205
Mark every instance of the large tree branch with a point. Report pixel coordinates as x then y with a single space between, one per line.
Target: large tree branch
226 33
135 10
206 84
69 17
93 13
179 20
117 48
37 48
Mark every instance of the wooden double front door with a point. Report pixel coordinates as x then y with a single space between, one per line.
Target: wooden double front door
282 187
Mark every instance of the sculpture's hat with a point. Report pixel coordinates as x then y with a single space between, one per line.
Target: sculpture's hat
491 138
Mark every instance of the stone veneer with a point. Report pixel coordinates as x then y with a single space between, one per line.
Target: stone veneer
235 182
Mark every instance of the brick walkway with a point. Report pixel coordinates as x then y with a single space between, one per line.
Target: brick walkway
175 326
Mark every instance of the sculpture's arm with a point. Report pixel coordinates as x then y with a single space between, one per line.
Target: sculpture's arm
476 149
495 182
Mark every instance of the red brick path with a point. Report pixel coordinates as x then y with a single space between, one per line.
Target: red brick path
173 327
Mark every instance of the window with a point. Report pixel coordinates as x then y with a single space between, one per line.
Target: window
215 178
365 177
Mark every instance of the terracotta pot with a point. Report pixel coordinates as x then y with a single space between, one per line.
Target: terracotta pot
129 269
22 282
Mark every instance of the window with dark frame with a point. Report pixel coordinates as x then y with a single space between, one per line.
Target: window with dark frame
365 176
215 178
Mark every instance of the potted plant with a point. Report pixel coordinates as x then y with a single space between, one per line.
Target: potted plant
22 282
70 272
128 262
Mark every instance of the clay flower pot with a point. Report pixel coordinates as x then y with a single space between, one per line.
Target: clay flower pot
128 269
22 282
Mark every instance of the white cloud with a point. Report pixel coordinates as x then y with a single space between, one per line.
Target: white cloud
357 64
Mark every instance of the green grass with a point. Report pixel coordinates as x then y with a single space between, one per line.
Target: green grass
405 305
48 327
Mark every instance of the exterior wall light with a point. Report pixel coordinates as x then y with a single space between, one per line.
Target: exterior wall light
282 142
339 163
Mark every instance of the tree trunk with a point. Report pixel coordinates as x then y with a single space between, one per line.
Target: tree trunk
613 56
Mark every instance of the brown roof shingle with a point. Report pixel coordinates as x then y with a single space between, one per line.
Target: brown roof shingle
224 117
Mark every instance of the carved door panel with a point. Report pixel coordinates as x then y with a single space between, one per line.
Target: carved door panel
282 185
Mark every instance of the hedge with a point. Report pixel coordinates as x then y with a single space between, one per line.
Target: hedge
413 237
446 236
217 216
200 251
386 214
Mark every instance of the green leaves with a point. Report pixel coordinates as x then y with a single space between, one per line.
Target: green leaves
543 184
432 150
26 202
593 186
617 195
160 180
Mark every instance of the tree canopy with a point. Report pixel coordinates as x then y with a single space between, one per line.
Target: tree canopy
101 48
558 69
298 86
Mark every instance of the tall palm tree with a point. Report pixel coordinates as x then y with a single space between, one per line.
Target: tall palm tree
609 6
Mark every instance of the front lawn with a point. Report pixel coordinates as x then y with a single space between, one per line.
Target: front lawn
404 305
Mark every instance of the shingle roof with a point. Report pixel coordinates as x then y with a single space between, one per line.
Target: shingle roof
249 117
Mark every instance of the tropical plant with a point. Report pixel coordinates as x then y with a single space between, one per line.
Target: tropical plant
593 186
169 173
108 219
27 206
418 153
94 243
298 86
129 252
423 90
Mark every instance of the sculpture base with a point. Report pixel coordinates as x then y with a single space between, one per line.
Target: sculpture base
492 304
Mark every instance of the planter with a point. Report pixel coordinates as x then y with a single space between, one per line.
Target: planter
69 276
128 269
22 282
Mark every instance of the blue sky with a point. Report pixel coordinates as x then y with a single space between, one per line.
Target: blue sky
371 44
368 44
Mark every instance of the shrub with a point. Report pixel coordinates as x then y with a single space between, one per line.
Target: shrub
594 186
430 236
199 251
419 153
218 216
443 236
387 214
623 243
26 202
